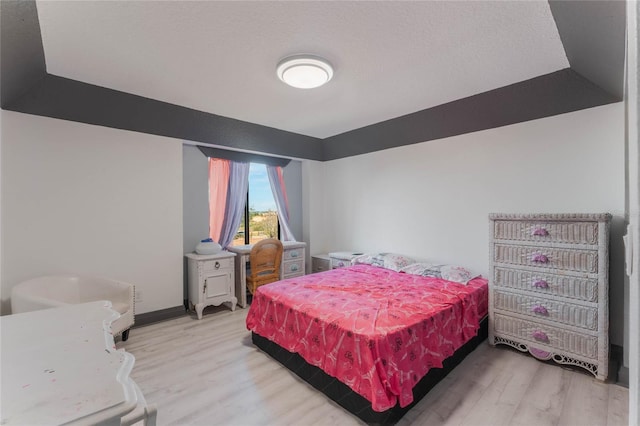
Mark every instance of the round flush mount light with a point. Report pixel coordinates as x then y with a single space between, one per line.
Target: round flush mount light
304 71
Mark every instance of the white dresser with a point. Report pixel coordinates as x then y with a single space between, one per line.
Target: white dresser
211 280
549 287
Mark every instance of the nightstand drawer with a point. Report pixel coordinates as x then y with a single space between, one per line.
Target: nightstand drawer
216 264
320 263
339 263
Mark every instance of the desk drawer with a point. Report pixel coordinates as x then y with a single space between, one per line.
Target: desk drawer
293 267
292 254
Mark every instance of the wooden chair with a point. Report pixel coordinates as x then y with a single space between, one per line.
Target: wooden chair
264 260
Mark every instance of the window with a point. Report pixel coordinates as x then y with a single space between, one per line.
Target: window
260 214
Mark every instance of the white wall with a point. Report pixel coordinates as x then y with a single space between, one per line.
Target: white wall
78 198
314 227
292 175
432 199
195 198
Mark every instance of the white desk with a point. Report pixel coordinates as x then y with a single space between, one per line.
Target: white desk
61 366
293 265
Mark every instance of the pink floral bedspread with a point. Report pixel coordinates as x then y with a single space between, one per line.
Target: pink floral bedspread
376 330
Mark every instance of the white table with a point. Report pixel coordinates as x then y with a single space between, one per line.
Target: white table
293 265
61 366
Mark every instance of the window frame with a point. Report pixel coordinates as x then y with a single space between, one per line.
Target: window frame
247 230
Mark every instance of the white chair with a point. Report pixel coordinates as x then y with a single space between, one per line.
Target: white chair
58 290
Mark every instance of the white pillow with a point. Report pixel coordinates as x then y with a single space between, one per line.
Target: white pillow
457 274
392 261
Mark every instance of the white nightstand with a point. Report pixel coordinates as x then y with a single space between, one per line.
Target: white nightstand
211 280
340 259
320 262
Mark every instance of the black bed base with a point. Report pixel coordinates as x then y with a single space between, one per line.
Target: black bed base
351 401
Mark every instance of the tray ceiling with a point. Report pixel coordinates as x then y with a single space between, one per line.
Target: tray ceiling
390 58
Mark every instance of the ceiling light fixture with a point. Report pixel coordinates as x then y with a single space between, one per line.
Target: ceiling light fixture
304 71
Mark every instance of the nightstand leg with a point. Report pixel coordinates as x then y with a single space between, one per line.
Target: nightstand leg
199 309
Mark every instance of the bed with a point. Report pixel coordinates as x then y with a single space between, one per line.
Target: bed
374 340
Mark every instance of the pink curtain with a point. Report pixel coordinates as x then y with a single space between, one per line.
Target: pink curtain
218 184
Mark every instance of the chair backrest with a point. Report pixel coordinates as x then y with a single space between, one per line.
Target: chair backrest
265 260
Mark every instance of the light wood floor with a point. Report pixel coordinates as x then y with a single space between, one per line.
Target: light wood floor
208 372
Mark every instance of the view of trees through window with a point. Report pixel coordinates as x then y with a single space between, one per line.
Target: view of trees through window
260 214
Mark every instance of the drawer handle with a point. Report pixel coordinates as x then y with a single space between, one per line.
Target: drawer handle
540 354
540 232
294 268
539 258
540 336
540 310
217 265
541 284
294 254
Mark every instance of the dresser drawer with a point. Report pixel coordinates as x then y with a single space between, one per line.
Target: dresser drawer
547 257
293 268
547 284
214 265
552 310
292 254
547 232
557 338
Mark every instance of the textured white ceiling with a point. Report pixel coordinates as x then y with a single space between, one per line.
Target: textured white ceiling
390 58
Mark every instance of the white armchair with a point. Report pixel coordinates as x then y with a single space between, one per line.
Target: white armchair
53 291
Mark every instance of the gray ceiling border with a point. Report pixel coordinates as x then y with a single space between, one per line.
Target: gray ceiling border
67 99
552 94
22 54
592 33
593 36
